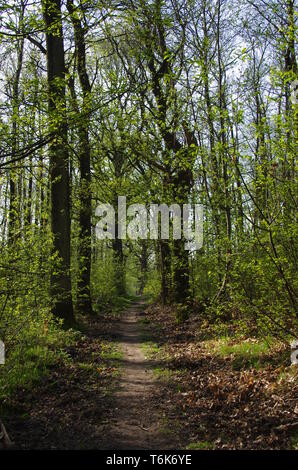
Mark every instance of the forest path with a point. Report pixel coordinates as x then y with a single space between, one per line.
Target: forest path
97 400
136 421
92 398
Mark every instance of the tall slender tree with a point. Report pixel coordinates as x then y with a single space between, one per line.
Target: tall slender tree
84 303
59 162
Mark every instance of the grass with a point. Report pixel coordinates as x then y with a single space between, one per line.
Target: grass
245 354
111 352
162 373
40 349
249 353
32 358
150 349
201 445
86 366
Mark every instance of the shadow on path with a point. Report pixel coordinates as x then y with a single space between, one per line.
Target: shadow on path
136 422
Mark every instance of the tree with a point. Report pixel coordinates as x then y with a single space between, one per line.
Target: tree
84 303
59 162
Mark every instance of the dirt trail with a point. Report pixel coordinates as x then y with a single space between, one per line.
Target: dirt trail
136 422
75 407
82 404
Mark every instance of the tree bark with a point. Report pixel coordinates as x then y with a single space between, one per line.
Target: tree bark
13 197
59 162
84 303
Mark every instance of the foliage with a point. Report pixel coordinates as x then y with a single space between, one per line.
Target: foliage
163 102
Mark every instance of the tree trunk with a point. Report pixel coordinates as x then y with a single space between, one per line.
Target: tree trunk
13 226
165 261
84 303
59 162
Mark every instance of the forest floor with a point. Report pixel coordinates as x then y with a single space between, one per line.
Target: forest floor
137 380
105 396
